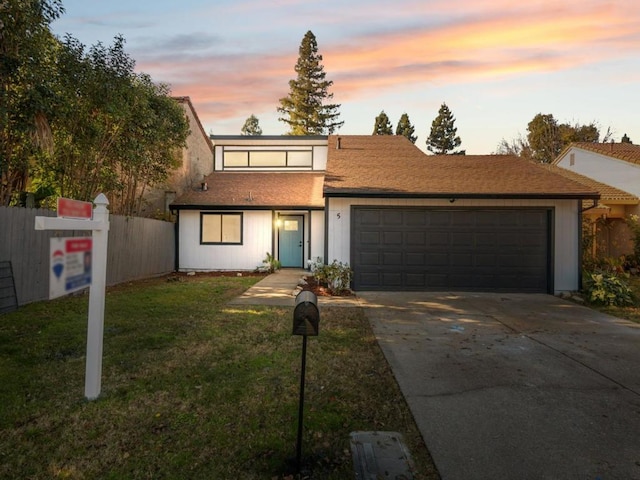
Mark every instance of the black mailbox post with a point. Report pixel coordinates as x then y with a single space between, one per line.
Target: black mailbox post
306 320
306 316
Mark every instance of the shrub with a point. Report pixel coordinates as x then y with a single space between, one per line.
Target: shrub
270 264
607 288
634 225
336 277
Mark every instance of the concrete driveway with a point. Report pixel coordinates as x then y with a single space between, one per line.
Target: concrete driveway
508 386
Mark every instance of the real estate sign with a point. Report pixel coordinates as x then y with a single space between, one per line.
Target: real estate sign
70 260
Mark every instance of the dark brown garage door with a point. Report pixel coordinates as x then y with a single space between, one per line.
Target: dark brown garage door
451 249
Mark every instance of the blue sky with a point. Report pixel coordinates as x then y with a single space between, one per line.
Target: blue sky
496 64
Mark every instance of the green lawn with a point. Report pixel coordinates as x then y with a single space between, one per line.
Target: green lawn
191 389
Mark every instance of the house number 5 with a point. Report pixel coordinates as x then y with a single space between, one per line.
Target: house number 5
338 214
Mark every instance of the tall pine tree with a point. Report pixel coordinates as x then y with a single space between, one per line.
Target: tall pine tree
405 128
443 139
251 127
382 125
304 109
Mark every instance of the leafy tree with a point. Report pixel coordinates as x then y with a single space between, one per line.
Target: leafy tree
251 126
405 128
544 138
547 138
114 131
443 138
625 139
382 125
26 51
303 109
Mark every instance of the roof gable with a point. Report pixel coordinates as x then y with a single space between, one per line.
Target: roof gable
627 152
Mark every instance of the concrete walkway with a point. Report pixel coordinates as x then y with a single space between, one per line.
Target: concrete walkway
279 289
505 386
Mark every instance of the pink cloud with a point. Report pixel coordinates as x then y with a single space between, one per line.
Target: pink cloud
492 40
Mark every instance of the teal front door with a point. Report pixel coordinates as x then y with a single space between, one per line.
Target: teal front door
291 241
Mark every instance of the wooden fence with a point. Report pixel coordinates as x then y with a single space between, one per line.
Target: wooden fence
138 248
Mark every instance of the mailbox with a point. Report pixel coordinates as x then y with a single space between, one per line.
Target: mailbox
306 316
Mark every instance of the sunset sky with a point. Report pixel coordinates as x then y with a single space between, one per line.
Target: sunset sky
495 63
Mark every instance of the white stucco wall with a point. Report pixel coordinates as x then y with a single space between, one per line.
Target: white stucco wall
317 235
257 240
614 172
565 229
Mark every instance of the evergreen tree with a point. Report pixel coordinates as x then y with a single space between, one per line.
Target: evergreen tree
443 138
382 125
405 128
251 126
303 109
625 139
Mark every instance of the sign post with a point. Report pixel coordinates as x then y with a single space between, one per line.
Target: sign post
99 227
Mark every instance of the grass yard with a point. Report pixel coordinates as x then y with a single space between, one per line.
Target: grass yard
191 388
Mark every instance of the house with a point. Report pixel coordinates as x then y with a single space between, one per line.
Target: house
195 164
613 170
264 196
402 219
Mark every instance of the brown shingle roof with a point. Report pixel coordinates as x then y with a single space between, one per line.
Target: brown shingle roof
627 152
257 190
390 165
607 192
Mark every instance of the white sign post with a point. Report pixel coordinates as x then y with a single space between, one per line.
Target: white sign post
95 328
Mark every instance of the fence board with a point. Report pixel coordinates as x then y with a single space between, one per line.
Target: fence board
138 248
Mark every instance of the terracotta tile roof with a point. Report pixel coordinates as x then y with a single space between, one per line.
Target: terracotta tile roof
256 190
607 192
390 165
627 152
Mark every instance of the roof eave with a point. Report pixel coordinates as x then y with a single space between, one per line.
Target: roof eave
174 206
457 195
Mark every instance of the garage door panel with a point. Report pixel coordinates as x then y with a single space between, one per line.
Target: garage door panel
392 279
369 217
438 239
393 259
415 258
465 249
416 218
462 239
392 238
368 258
415 280
369 238
441 218
416 238
392 217
438 259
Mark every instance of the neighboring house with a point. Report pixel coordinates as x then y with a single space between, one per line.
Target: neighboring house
196 163
402 219
613 170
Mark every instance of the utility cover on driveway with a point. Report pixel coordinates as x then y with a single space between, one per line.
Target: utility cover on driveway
515 386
